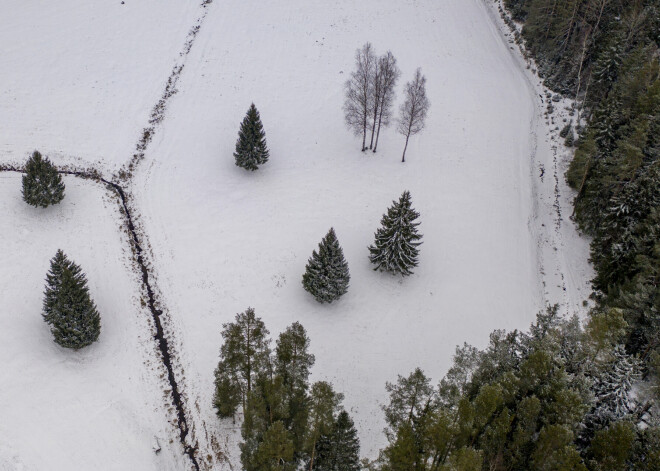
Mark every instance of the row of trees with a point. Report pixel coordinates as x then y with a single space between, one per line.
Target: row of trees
605 53
555 398
395 250
288 423
370 95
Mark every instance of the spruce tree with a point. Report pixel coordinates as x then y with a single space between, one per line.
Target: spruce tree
326 275
340 450
42 185
395 248
68 308
251 150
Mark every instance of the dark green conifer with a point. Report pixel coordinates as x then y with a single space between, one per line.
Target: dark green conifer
42 185
326 275
54 279
340 450
251 150
395 248
68 308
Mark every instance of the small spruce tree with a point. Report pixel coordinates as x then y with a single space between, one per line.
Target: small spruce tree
326 275
42 185
251 150
395 248
339 450
68 308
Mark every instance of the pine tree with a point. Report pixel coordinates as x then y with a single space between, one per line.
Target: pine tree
244 356
324 403
227 396
292 364
68 308
326 275
42 185
339 450
251 150
395 248
275 452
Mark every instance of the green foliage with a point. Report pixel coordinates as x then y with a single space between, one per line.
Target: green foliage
396 246
244 356
275 452
326 274
285 422
251 150
68 309
340 449
42 185
612 448
292 364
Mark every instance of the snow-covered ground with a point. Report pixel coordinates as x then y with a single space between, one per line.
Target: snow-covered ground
79 78
225 239
83 79
98 408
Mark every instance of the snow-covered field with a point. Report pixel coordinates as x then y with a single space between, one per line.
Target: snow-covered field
79 78
99 408
81 88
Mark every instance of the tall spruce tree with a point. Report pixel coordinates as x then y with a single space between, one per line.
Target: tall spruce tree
339 450
42 185
251 150
396 246
68 308
326 275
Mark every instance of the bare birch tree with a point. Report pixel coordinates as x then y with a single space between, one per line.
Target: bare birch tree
359 97
386 76
414 109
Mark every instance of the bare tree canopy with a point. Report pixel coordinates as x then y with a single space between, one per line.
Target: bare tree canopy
359 97
385 78
414 109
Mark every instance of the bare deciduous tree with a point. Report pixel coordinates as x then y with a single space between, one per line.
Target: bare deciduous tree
358 104
387 73
414 109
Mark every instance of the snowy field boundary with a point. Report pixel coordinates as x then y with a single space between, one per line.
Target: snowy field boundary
158 314
563 251
163 334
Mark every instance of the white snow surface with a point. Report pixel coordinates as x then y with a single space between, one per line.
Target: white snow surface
227 239
495 249
79 78
97 408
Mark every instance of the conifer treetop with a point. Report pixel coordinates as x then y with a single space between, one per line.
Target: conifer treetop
251 149
326 275
396 243
42 184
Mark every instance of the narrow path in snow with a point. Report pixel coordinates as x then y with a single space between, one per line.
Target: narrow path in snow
562 251
159 335
119 184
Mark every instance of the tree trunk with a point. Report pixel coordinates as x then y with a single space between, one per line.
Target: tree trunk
581 190
311 461
364 136
373 128
403 159
380 119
